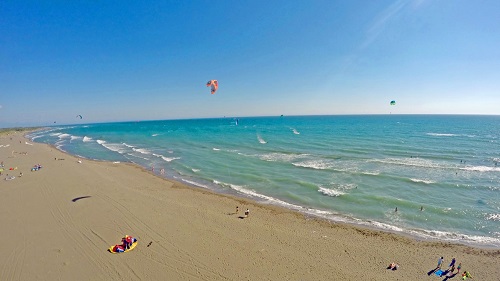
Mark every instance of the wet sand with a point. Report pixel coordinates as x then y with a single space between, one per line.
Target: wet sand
58 222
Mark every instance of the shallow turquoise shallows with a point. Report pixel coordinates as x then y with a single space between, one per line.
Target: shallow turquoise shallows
439 171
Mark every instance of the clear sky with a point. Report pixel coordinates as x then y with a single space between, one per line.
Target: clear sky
150 60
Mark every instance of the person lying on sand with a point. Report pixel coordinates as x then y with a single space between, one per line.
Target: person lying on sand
128 241
393 266
466 275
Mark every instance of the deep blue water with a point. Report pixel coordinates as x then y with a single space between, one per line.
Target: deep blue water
355 169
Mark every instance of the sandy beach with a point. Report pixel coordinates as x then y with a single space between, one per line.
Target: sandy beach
58 222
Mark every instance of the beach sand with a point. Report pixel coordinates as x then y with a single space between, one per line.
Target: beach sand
184 233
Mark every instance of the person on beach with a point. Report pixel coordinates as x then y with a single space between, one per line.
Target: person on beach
466 275
440 261
396 210
452 264
118 249
247 212
128 241
459 267
393 266
450 271
237 209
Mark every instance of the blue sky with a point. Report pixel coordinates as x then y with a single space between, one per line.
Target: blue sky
150 60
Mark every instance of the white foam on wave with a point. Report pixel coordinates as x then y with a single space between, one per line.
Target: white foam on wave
170 159
195 183
138 156
116 147
59 145
463 238
422 181
154 135
215 149
86 139
140 150
314 164
441 134
75 137
167 159
127 145
55 134
195 170
280 157
371 173
330 192
493 217
414 162
481 169
63 136
261 140
254 194
295 131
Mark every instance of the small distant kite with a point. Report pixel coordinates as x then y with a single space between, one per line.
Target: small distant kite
393 102
79 116
214 84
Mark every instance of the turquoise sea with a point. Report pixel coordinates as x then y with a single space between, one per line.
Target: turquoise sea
354 169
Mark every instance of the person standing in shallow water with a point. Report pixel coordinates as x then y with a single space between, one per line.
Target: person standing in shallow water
247 212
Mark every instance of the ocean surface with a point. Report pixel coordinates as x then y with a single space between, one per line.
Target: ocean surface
441 172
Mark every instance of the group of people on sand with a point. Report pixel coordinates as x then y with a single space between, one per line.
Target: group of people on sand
247 212
36 167
450 271
8 178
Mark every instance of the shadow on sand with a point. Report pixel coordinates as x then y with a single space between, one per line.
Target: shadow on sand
78 198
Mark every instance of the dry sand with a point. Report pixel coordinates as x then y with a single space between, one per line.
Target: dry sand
193 234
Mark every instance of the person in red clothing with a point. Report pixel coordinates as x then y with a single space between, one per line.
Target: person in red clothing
118 249
128 241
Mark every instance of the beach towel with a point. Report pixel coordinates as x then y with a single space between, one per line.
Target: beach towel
439 272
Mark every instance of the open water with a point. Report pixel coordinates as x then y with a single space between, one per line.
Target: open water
354 169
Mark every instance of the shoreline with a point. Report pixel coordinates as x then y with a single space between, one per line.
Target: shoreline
194 233
415 234
235 195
